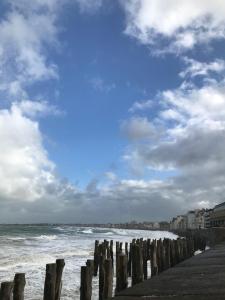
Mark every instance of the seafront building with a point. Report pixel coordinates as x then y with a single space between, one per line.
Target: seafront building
217 216
200 218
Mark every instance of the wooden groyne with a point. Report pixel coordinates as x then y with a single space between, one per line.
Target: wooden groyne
134 263
117 265
52 287
200 277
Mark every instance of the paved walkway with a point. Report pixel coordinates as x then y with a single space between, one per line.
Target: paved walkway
201 277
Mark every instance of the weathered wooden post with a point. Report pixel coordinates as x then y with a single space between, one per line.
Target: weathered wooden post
172 253
149 249
6 290
96 258
154 265
90 264
137 264
85 283
126 249
60 263
121 279
50 282
167 253
117 255
111 252
145 260
177 257
101 276
158 255
129 265
181 249
18 288
108 279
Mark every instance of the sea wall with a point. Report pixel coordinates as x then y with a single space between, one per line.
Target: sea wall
212 236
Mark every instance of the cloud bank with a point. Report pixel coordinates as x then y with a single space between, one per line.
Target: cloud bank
179 151
174 26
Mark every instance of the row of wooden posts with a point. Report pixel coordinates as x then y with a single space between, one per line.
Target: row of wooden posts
131 260
52 288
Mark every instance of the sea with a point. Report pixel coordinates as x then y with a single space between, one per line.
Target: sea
28 248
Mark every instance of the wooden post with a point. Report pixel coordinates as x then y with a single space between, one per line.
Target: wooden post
96 258
111 252
108 279
121 279
154 266
177 254
6 290
18 288
172 253
158 255
90 264
148 249
167 253
145 260
129 265
60 263
101 277
117 255
86 283
137 264
50 282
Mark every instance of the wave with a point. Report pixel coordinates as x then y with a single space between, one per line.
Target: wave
16 238
45 237
87 231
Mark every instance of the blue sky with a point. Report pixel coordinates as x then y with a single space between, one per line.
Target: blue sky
113 105
96 51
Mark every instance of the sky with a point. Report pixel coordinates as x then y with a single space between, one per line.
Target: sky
111 110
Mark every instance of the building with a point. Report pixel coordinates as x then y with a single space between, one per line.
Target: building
191 224
207 216
217 216
164 226
179 223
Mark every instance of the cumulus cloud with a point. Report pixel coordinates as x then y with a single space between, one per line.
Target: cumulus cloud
35 109
141 105
138 128
89 6
23 41
192 144
25 169
174 26
186 138
195 68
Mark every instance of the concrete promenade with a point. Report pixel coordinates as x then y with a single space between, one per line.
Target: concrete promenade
201 277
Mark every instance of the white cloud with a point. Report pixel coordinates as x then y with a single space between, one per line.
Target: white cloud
195 68
141 105
25 169
137 128
89 6
101 85
173 26
34 109
24 59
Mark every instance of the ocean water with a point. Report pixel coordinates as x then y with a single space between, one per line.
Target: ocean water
28 248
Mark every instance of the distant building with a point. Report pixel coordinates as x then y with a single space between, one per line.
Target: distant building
207 217
191 224
217 216
164 226
179 223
